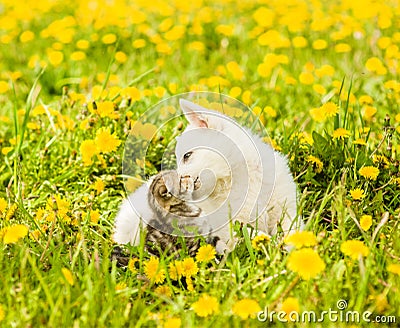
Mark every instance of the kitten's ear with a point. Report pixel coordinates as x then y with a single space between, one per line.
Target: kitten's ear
163 191
194 113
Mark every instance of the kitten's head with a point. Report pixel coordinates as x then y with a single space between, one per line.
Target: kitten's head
166 195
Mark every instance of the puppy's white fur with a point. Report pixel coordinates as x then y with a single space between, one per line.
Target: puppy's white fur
241 177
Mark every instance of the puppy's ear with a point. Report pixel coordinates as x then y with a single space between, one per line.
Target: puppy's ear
194 113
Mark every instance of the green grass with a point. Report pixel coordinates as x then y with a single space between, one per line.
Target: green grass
46 186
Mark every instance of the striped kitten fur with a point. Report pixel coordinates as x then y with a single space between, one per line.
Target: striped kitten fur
176 222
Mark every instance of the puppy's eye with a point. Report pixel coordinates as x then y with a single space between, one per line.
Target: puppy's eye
187 156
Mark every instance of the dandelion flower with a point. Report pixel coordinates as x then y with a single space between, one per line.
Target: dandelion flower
68 276
131 265
357 194
360 141
153 270
105 141
354 249
206 253
317 114
394 268
259 240
3 205
380 160
246 308
94 216
2 313
369 172
301 239
340 133
290 305
172 323
206 305
88 149
315 161
366 222
306 78
163 290
189 267
14 233
120 286
175 270
330 109
306 262
98 186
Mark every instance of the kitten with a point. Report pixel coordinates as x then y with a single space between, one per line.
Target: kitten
171 220
176 220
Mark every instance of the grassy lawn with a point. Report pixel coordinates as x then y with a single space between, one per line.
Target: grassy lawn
76 76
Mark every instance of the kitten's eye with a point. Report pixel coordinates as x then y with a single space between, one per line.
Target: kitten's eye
186 156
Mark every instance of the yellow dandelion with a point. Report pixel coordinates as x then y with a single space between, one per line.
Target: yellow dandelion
365 99
330 109
121 57
306 262
159 91
105 109
394 268
206 306
105 141
369 172
366 222
206 253
55 58
120 286
354 249
131 265
153 270
317 114
163 290
257 241
14 233
301 239
189 284
78 56
360 141
340 134
306 78
172 323
109 38
175 270
246 308
2 313
189 267
235 70
94 216
3 205
88 149
380 160
342 48
68 276
357 194
98 185
290 305
316 162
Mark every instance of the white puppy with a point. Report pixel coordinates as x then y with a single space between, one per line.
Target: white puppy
240 177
